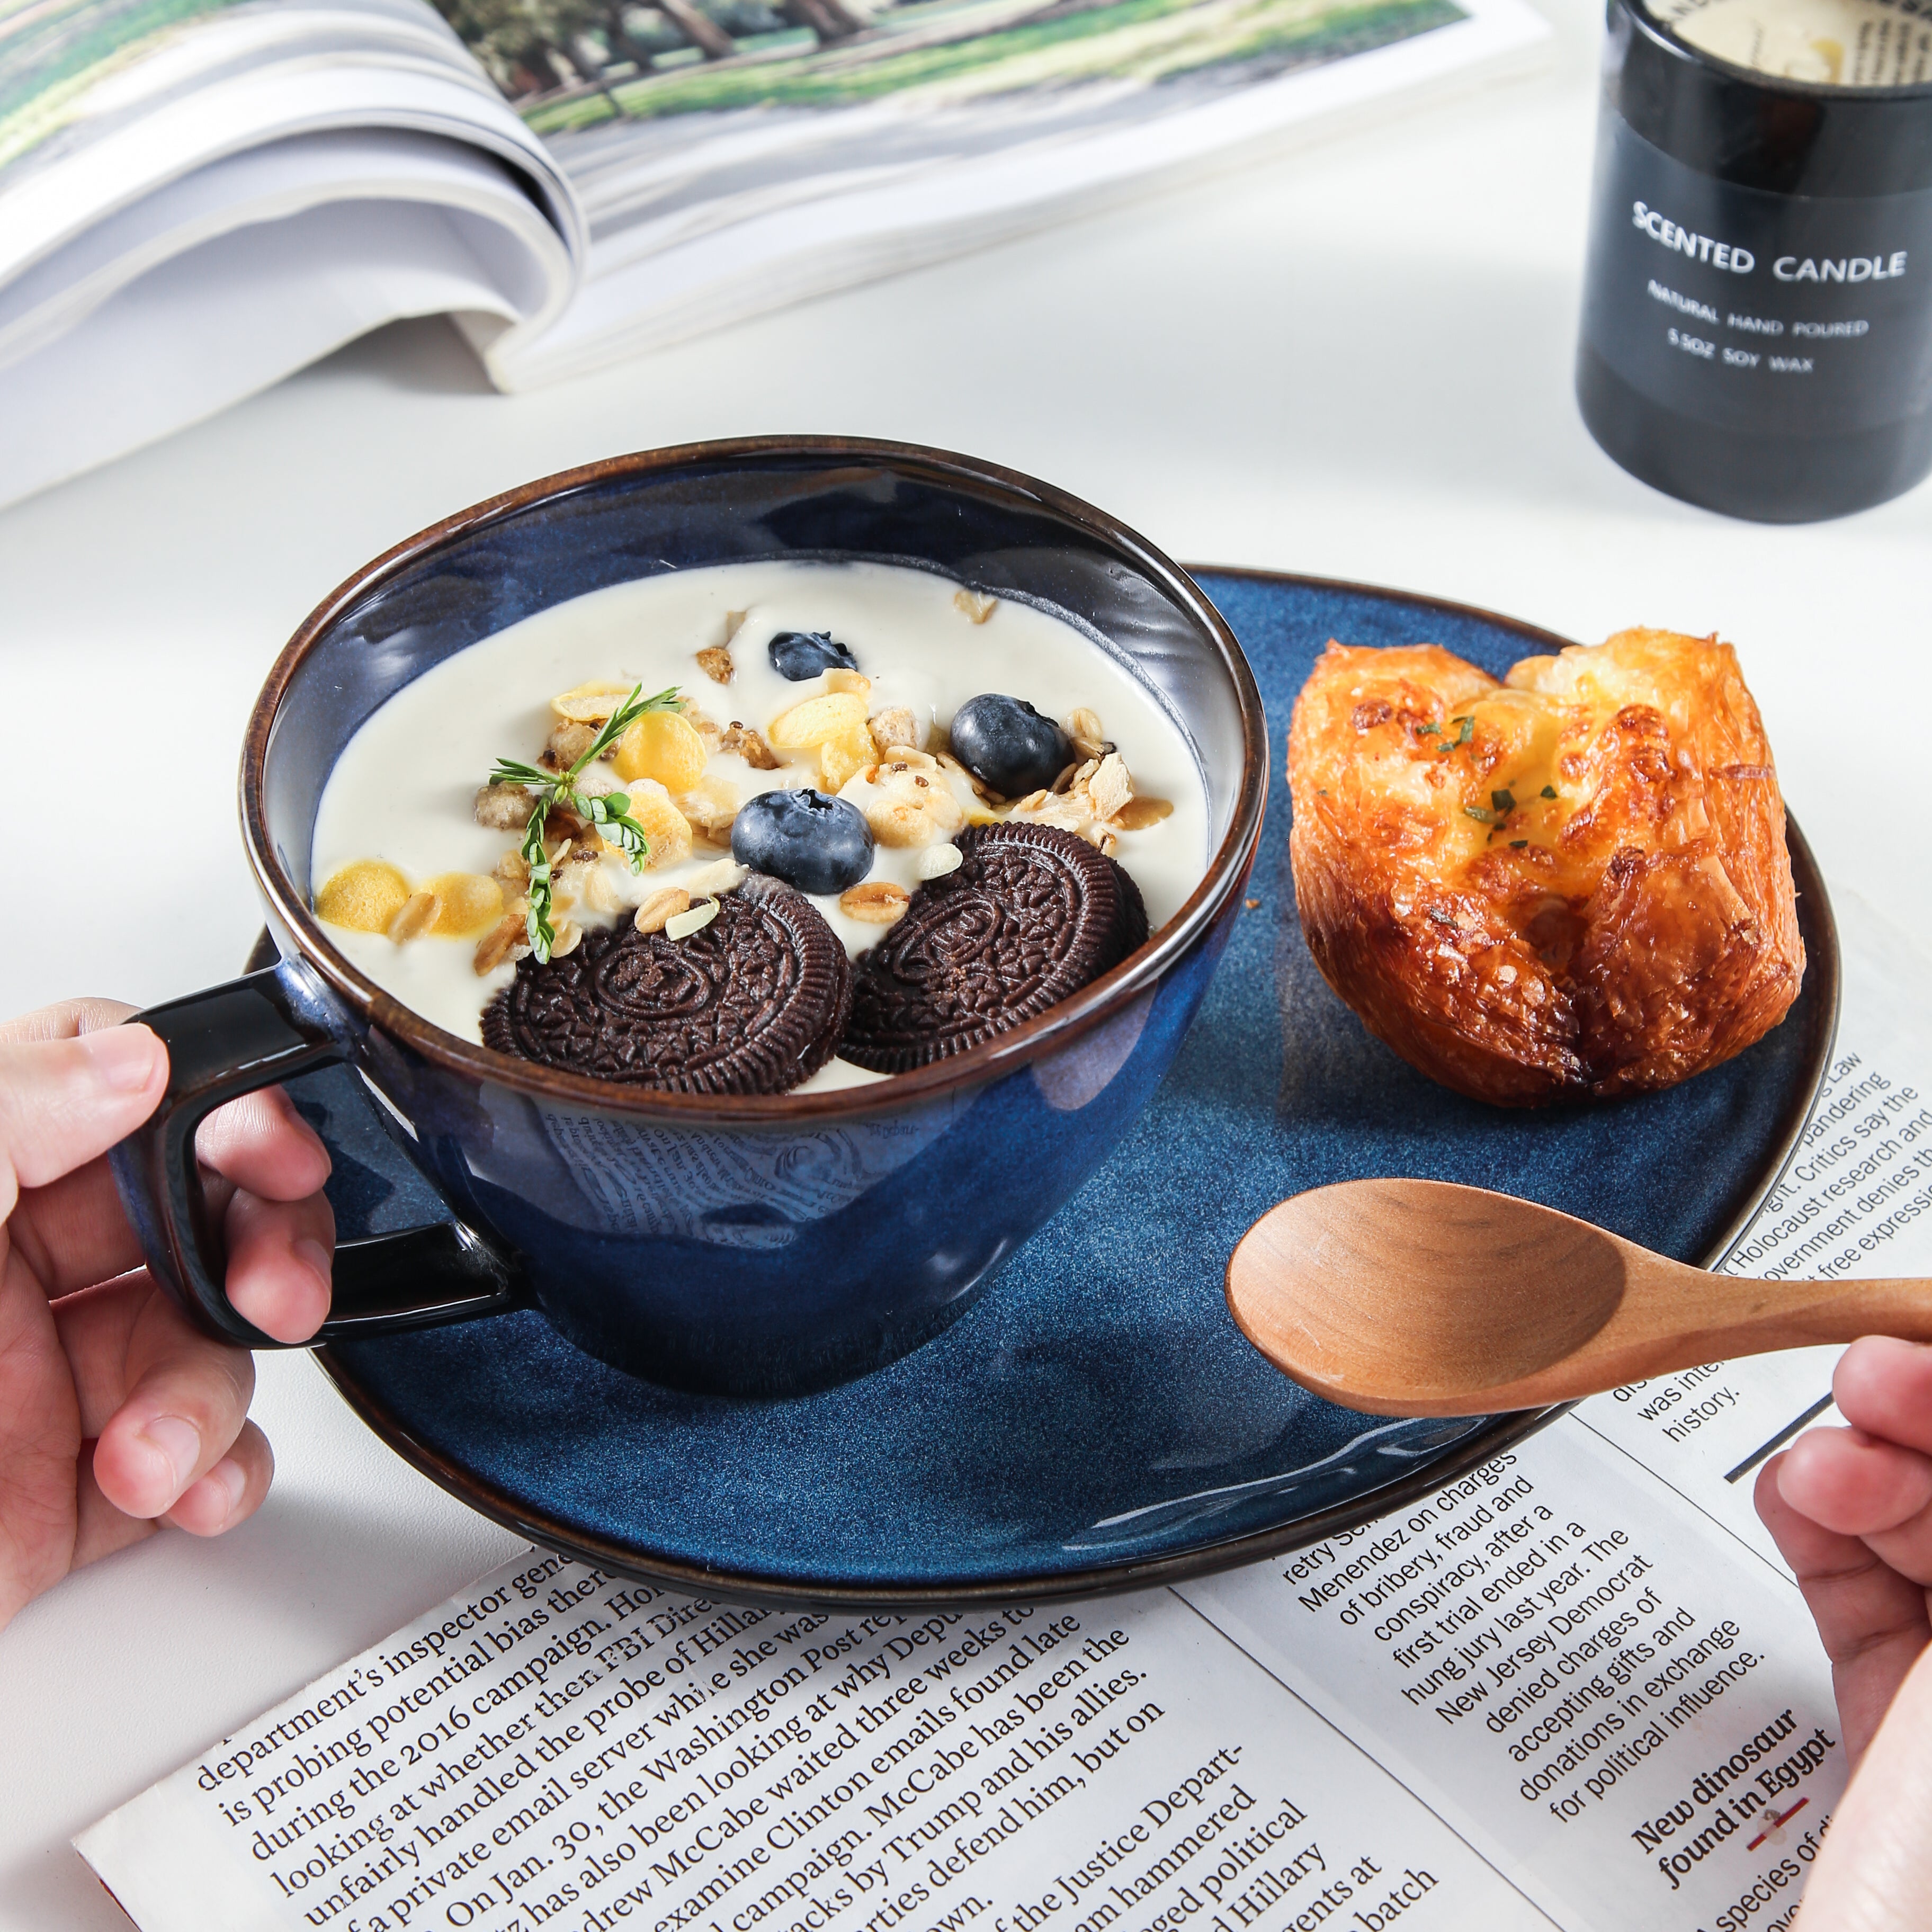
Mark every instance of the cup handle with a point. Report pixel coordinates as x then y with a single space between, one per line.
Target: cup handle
229 1041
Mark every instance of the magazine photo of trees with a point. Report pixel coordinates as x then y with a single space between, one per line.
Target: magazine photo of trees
570 64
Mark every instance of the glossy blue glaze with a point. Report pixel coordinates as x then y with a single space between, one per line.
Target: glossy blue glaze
1097 1409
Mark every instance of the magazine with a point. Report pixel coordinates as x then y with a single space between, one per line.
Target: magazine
199 197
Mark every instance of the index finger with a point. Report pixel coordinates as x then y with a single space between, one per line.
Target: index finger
261 1143
1884 1386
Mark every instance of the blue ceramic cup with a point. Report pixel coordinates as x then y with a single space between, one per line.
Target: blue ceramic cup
755 1245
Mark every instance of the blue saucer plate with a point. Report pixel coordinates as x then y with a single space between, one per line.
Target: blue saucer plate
1096 1422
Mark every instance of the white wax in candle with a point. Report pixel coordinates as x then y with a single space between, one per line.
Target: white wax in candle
1828 42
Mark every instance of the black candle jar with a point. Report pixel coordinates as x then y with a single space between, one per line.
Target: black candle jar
1757 314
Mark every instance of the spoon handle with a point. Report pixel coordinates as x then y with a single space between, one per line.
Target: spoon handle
1758 1316
1744 1318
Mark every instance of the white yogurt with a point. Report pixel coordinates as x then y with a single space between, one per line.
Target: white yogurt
404 790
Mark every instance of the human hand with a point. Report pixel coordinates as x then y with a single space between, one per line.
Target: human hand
116 1415
1851 1511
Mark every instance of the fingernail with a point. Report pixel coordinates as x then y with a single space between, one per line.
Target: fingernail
179 1444
229 1481
123 1057
314 1256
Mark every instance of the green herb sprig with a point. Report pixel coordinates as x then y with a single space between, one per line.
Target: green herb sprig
610 811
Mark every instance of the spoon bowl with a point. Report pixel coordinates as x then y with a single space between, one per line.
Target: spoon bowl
1421 1297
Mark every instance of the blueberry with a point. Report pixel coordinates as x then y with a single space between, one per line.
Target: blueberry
799 655
1004 742
816 843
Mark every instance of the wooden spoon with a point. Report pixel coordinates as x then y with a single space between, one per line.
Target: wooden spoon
1418 1297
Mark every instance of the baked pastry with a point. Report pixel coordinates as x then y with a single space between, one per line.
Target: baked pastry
1571 884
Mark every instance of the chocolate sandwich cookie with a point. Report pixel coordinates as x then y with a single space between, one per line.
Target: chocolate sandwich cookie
1133 913
1031 914
754 1003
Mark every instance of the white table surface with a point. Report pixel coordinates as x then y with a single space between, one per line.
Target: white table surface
1352 360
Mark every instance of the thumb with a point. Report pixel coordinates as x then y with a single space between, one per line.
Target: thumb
63 1102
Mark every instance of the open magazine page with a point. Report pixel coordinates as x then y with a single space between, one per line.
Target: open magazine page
733 155
1572 1688
196 199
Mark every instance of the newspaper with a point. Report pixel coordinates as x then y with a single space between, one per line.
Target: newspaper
1577 1688
199 197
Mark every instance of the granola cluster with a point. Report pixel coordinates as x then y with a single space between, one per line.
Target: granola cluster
681 773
